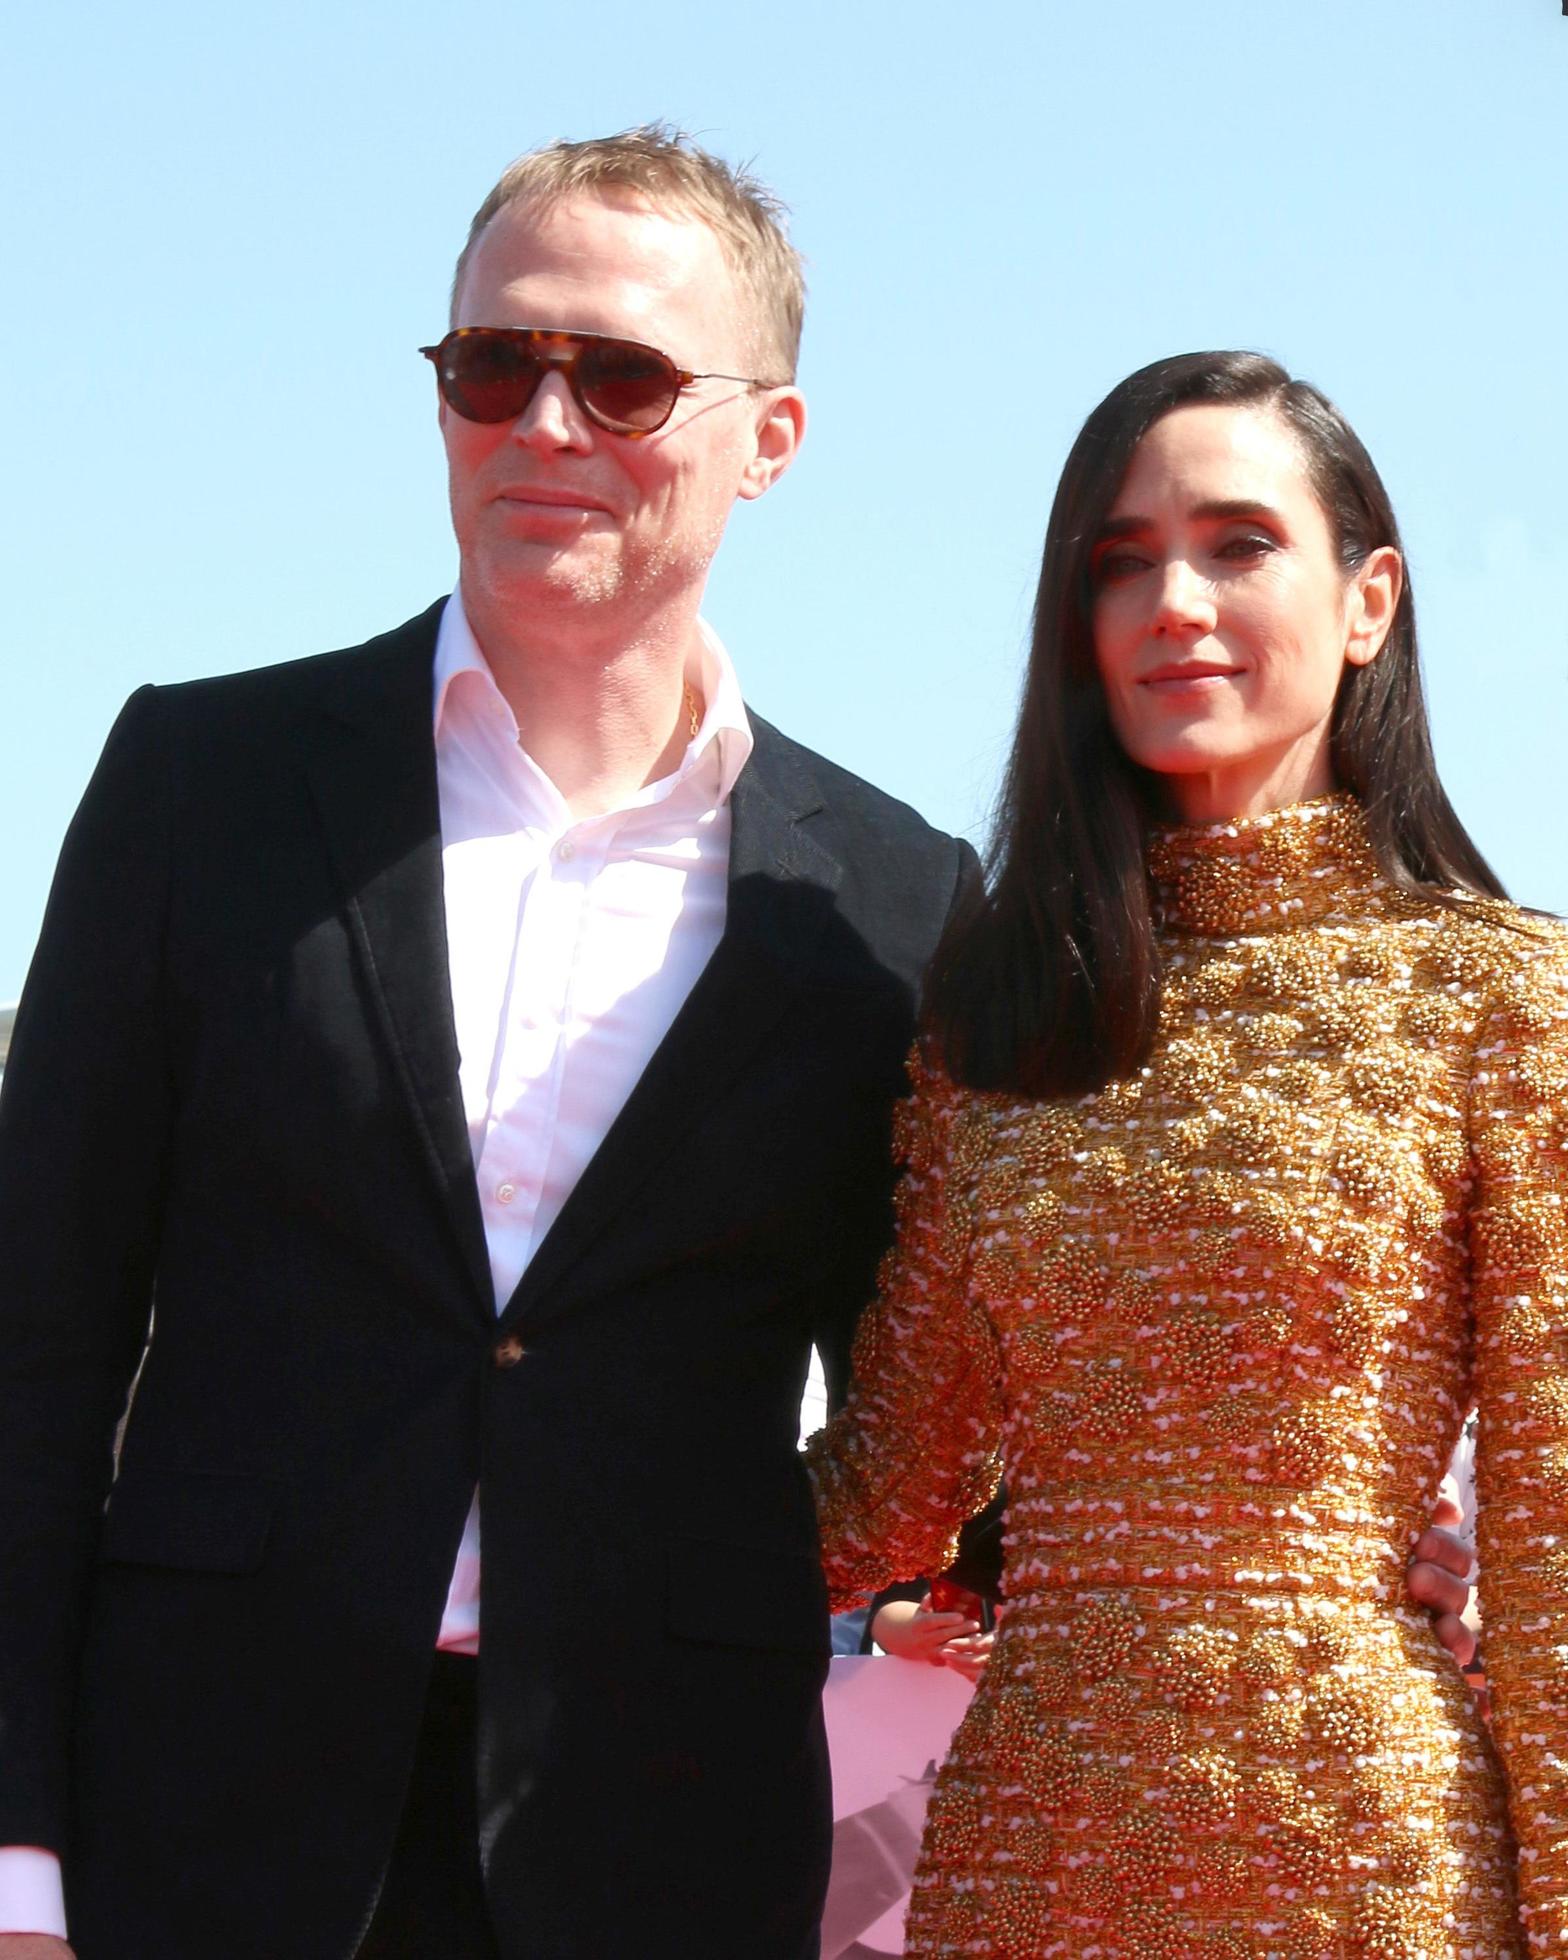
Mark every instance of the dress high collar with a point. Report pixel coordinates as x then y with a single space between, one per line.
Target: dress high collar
1285 868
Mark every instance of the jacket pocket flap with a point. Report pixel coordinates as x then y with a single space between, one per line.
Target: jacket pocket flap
746 1596
190 1519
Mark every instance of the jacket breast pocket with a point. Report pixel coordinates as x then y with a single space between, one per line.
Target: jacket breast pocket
194 1521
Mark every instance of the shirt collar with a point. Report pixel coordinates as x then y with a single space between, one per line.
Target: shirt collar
723 739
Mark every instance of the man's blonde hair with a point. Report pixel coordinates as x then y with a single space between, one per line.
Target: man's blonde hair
664 166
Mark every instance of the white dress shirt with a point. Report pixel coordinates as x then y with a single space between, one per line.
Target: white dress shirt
572 944
617 915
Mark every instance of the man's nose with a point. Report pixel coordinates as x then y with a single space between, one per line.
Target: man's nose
552 421
1186 602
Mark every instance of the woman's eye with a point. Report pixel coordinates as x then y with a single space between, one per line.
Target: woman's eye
1253 544
1115 566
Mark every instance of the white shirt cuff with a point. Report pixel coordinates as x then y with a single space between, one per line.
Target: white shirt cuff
32 1898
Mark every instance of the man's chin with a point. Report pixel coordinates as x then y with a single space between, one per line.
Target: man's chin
545 581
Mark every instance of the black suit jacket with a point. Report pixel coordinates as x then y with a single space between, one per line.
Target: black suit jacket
232 1153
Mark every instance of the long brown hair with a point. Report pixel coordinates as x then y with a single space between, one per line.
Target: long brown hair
1048 985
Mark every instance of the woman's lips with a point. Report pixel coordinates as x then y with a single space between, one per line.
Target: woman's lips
1177 680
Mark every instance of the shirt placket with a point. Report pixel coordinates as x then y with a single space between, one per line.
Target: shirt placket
553 921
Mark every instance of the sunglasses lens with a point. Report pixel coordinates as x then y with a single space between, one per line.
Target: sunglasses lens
627 386
485 379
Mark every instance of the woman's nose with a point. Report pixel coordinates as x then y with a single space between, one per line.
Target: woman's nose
1185 605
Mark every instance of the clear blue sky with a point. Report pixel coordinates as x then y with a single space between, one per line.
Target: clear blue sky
228 229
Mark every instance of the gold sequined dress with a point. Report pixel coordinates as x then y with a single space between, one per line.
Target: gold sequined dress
1220 1324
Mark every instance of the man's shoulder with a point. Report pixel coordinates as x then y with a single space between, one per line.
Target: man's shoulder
857 805
351 678
898 877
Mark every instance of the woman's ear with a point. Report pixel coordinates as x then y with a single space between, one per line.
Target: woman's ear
1372 600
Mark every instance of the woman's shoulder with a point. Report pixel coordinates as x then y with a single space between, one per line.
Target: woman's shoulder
1486 944
932 1080
920 1120
941 1114
1508 969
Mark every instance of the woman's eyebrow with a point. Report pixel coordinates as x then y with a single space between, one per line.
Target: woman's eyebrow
1129 525
1123 527
1222 507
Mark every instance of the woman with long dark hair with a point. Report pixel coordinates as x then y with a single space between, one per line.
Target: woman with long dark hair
1237 1168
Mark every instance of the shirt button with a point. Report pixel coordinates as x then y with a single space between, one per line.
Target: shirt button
505 1193
507 1353
566 848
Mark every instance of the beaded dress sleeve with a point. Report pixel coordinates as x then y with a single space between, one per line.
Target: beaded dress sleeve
913 1453
1519 1255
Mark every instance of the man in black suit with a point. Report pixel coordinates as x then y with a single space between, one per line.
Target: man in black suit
460 1064
305 972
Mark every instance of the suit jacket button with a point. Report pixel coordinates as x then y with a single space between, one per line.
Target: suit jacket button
507 1353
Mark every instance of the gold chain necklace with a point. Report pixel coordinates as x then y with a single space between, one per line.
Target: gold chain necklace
691 712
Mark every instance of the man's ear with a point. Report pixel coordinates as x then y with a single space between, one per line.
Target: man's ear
1374 597
781 428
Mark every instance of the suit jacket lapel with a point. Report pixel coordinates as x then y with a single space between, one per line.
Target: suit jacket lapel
372 773
781 883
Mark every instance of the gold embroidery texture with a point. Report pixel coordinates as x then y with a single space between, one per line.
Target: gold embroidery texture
1219 1326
